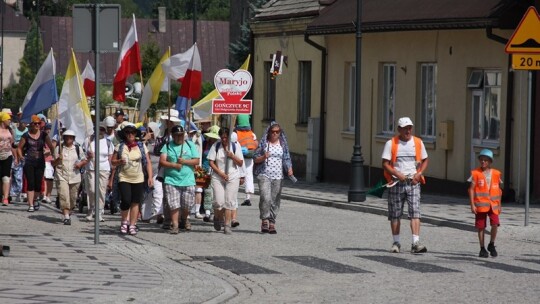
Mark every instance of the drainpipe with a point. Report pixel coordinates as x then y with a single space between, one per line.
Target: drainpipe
322 113
509 195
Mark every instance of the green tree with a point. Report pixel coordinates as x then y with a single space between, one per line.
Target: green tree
184 9
240 48
64 7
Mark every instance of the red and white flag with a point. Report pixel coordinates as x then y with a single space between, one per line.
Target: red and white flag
186 67
129 62
89 80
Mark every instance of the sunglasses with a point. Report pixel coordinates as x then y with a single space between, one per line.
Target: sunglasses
35 123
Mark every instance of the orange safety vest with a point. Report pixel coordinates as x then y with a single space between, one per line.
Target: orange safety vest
245 139
395 144
485 196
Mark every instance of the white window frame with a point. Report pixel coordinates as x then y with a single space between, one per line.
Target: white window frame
428 100
388 98
489 114
304 91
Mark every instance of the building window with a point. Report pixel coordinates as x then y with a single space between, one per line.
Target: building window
388 98
428 95
269 93
351 107
486 104
304 91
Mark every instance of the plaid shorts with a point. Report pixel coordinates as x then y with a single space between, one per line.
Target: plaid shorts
399 194
180 197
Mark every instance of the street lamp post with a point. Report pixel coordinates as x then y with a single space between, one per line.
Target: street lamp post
357 192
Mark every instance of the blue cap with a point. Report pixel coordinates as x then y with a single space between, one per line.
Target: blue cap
486 153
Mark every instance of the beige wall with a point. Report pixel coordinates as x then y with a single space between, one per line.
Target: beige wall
455 53
13 53
296 50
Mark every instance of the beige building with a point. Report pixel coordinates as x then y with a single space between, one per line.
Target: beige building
443 65
15 27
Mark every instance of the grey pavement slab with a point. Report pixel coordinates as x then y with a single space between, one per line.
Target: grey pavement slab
320 255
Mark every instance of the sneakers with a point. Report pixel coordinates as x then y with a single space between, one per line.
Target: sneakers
30 209
483 253
235 223
198 216
89 217
227 229
36 205
396 247
5 202
206 219
46 200
246 203
67 221
492 250
101 219
418 248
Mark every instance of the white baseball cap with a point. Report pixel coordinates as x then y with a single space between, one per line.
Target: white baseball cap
404 121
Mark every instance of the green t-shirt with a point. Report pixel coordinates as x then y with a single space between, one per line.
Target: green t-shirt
185 176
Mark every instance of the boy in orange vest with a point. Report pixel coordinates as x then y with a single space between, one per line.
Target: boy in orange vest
485 198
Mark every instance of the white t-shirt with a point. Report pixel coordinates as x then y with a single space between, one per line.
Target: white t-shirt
106 149
219 158
406 155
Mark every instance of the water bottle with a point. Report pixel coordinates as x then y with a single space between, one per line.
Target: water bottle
293 179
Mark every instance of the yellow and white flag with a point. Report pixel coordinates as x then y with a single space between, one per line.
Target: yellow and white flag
153 86
73 110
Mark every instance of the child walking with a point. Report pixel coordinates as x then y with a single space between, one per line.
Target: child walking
485 198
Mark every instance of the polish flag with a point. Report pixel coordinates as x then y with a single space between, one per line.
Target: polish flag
89 80
129 62
186 68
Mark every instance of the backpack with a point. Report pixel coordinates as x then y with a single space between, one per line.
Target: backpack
246 141
159 143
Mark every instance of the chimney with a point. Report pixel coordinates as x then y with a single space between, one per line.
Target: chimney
162 19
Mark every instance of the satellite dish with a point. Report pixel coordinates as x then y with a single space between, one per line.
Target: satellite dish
129 89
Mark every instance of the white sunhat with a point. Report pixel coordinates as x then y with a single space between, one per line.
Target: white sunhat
405 121
174 116
69 133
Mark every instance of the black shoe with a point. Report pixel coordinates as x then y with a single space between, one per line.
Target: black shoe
113 209
36 205
492 250
246 203
67 221
483 253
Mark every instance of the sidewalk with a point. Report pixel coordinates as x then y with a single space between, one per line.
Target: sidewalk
436 209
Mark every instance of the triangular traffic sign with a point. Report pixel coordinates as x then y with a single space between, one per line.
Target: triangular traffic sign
526 37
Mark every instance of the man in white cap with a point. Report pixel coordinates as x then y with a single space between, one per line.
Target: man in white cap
404 159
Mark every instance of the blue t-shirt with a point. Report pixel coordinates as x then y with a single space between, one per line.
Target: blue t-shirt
185 176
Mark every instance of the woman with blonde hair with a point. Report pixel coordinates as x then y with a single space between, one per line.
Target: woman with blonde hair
7 155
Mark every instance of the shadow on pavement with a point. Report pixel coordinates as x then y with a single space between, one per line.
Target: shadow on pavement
46 219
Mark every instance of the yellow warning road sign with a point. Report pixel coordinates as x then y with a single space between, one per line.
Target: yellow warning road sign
526 37
526 61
